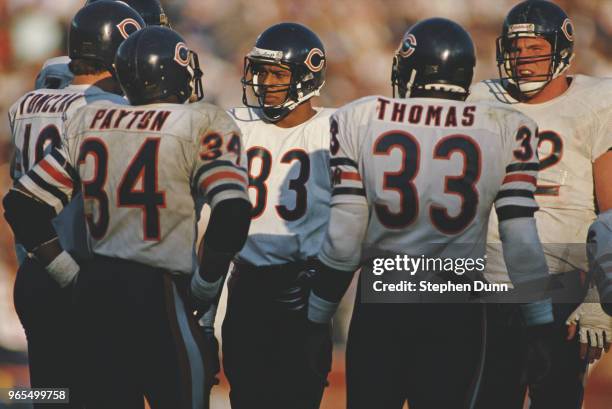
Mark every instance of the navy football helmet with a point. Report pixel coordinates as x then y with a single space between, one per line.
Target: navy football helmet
151 11
97 30
154 64
535 18
291 46
435 58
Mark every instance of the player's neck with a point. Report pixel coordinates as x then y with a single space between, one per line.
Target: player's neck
298 116
103 81
552 90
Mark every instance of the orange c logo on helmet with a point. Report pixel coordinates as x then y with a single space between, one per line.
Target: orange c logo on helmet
314 55
407 46
568 29
127 27
181 54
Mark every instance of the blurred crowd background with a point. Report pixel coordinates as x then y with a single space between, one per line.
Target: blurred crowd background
359 36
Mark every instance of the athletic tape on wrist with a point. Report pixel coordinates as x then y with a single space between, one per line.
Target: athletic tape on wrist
538 313
319 310
203 290
63 269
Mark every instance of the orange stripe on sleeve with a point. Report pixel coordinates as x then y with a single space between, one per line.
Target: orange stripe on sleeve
55 174
221 175
520 178
350 176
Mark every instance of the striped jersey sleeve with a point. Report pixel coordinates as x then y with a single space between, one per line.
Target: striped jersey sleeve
218 172
515 197
346 179
53 180
8 138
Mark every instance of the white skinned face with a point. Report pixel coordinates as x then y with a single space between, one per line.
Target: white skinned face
530 60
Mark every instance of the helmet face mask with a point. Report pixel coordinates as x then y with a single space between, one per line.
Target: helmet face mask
197 89
509 63
528 23
255 76
284 69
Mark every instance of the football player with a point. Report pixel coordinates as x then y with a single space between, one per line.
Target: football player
573 114
144 170
36 122
600 258
55 72
286 141
409 172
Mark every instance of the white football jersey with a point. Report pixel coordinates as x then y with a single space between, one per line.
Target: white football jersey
54 74
574 130
430 170
37 120
37 125
289 187
144 171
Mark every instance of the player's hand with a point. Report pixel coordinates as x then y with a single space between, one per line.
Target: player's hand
295 296
319 349
212 365
210 349
594 328
540 339
197 307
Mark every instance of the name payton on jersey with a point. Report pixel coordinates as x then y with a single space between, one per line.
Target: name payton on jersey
152 120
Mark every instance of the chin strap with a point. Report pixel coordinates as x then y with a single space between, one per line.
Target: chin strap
284 109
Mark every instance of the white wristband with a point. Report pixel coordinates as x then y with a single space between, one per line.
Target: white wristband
203 290
63 269
319 310
538 313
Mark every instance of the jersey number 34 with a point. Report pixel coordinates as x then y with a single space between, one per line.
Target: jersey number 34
138 187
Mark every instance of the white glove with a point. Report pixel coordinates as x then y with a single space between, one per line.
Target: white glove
595 325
